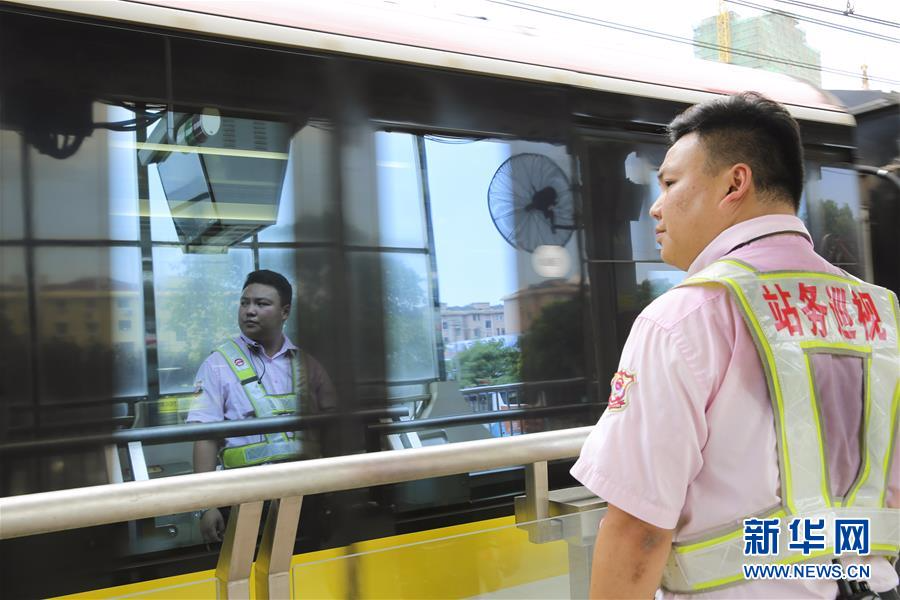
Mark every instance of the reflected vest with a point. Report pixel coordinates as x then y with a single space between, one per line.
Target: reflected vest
276 446
792 315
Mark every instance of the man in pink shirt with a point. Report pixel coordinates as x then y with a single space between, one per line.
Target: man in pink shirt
688 443
264 358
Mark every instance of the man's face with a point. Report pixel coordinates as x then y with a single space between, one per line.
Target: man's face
687 209
261 314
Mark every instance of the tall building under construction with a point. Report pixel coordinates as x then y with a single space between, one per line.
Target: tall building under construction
771 41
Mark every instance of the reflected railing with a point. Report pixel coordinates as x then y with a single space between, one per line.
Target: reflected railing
514 397
285 485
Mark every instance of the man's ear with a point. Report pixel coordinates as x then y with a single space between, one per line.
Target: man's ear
285 312
739 180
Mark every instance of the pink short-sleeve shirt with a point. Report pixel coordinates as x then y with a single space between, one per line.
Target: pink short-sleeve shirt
689 439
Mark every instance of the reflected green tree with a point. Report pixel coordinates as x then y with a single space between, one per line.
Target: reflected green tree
197 309
489 362
838 244
553 347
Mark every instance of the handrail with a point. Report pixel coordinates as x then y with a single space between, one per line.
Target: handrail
189 432
512 414
500 387
113 503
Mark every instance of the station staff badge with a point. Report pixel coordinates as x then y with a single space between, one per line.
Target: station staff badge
618 396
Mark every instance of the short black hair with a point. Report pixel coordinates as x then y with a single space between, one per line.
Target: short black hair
276 280
748 128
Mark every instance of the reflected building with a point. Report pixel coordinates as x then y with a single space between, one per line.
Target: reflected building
758 38
521 308
472 321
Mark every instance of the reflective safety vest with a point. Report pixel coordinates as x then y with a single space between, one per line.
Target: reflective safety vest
792 315
276 446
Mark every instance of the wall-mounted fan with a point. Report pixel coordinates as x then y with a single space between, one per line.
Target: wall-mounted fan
531 202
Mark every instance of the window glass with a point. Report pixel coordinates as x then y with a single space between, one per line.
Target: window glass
196 309
487 190
830 207
388 163
15 334
621 187
393 311
11 223
84 296
310 325
400 207
303 212
92 193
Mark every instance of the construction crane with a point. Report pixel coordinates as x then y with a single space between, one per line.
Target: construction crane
723 33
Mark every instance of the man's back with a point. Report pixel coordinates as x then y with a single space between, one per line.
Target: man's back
695 442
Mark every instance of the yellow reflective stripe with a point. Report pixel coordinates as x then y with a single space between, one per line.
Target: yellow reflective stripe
739 264
895 403
722 538
784 561
808 274
829 551
892 548
826 494
718 582
851 498
708 543
241 373
779 401
864 348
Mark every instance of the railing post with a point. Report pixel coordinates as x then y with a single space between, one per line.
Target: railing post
537 499
273 563
236 556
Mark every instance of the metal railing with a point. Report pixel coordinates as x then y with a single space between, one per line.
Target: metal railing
285 484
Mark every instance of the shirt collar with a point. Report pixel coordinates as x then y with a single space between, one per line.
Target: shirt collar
286 346
745 232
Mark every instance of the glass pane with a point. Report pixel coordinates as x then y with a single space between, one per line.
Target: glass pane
11 223
304 210
91 322
92 193
400 206
487 559
510 303
311 324
402 322
831 208
621 186
218 180
409 317
15 336
196 309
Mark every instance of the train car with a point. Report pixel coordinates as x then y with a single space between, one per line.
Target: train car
461 204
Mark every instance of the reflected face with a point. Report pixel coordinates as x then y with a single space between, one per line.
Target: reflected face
686 211
261 314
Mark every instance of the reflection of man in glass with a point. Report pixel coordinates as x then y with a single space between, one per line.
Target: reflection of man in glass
259 373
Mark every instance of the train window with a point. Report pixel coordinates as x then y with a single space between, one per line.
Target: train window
91 194
305 212
830 206
400 207
86 365
507 239
12 226
196 295
404 316
15 336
